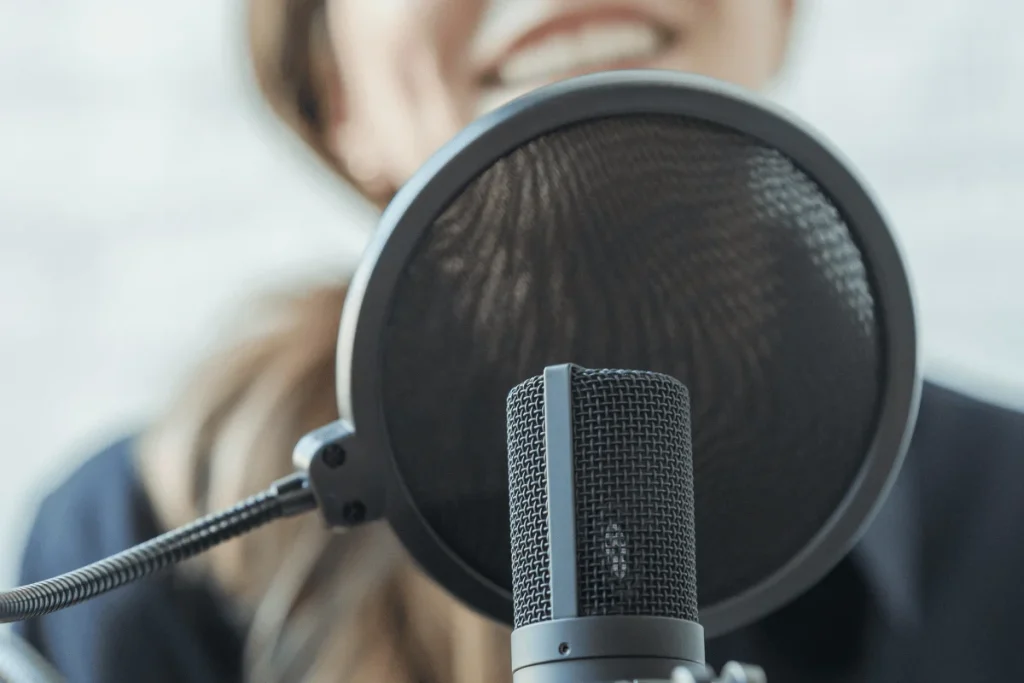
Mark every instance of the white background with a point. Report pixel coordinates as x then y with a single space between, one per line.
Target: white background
144 194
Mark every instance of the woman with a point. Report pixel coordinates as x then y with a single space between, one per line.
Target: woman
374 88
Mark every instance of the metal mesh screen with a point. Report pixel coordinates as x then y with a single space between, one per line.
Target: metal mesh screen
528 503
634 495
649 242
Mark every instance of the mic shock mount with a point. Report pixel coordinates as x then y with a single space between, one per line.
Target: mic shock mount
732 672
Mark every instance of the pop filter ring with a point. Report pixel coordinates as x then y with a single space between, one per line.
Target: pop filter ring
371 468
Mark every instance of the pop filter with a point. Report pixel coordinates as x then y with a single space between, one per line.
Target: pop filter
644 220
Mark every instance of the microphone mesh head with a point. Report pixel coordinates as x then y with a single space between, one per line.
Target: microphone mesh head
633 484
528 503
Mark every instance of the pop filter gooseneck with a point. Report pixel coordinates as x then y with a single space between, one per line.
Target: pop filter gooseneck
286 497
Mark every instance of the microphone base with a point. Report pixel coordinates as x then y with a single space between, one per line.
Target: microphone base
609 670
605 648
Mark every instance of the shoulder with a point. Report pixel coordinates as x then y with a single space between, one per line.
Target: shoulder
946 408
98 510
952 512
965 449
156 629
966 470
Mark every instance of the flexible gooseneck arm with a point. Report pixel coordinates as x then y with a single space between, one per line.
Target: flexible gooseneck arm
285 498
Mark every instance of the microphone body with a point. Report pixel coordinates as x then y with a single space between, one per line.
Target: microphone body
602 528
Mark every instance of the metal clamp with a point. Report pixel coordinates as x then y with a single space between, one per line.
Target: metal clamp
733 672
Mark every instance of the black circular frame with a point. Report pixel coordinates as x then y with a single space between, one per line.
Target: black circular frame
574 101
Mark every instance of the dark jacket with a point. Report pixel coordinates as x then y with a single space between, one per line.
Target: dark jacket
933 593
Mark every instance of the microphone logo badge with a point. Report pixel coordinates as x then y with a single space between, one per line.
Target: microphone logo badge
615 551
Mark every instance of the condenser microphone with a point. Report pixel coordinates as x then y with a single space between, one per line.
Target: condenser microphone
604 570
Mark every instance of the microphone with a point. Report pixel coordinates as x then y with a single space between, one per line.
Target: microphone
601 511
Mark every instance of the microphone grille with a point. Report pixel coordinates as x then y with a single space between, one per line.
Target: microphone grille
633 489
528 503
633 465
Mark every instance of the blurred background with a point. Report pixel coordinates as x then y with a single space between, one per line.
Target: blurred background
146 196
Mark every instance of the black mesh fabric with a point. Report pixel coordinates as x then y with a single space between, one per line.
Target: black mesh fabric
652 243
528 503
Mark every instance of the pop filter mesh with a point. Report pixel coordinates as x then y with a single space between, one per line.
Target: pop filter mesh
647 242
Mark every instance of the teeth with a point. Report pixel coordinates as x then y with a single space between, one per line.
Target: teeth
595 46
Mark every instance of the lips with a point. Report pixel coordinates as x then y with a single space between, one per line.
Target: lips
572 45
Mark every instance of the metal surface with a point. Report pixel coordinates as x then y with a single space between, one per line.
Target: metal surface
633 466
558 453
608 636
601 503
598 671
345 478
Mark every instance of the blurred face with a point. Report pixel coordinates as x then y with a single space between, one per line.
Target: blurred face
415 72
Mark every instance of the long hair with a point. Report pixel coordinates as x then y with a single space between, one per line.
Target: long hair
315 605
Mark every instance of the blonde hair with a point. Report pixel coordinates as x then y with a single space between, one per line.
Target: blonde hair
315 605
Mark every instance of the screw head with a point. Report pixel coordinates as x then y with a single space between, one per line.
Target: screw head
333 455
354 512
563 649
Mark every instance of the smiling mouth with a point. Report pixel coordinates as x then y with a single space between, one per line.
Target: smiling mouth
577 45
